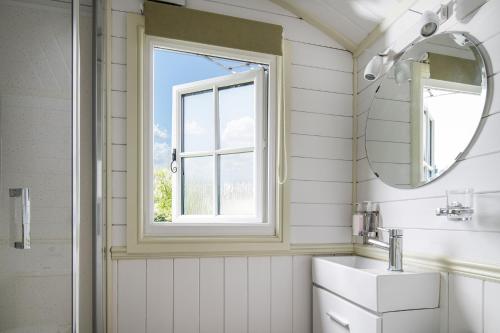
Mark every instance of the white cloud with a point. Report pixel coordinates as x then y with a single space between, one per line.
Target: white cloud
161 155
159 133
193 128
239 132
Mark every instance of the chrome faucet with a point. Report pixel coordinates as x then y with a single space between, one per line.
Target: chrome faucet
394 246
366 230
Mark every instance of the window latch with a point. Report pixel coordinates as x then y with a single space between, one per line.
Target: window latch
173 163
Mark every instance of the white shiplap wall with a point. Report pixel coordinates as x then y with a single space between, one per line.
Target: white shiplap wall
469 305
247 294
231 294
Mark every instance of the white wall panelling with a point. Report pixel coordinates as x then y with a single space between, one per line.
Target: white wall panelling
131 302
309 55
119 156
259 291
236 294
118 100
212 295
159 295
118 77
119 51
281 294
444 302
319 147
231 294
301 295
186 295
465 304
320 102
308 123
324 169
491 304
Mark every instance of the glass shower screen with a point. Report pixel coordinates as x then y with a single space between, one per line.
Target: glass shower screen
36 191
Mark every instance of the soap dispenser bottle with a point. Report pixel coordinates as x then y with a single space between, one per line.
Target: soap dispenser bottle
358 224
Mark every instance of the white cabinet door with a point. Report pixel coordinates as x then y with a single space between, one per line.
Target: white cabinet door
332 314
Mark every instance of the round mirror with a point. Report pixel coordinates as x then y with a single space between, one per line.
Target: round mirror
426 111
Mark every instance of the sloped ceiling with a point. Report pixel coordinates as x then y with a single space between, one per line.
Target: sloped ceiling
353 23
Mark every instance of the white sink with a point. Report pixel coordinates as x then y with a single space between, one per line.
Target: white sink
368 283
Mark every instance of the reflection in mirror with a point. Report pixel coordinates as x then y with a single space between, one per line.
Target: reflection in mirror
426 110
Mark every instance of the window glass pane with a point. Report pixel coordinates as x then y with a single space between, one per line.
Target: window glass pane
162 195
237 116
198 121
197 185
236 184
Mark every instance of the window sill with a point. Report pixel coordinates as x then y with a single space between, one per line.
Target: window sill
207 229
123 252
196 246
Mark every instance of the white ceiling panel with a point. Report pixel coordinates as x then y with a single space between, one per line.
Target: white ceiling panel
379 7
355 13
354 20
422 5
342 16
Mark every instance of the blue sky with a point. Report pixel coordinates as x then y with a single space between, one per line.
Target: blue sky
173 68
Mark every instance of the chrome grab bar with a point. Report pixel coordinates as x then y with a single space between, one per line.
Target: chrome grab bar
338 320
24 193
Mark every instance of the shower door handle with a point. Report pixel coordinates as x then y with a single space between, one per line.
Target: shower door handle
24 194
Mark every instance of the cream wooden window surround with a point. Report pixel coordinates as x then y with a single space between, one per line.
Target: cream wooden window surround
140 237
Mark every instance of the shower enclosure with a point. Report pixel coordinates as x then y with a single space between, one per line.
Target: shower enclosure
51 244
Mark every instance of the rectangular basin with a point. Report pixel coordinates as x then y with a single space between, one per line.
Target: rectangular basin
368 283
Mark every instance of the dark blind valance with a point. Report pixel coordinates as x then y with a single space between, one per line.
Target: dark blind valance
454 69
208 28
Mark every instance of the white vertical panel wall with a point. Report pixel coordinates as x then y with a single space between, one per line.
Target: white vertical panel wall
232 294
468 305
240 294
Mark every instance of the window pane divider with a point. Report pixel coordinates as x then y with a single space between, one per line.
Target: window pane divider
234 150
197 154
216 201
225 151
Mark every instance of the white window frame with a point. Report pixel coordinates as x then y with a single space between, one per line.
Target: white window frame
265 221
428 146
256 77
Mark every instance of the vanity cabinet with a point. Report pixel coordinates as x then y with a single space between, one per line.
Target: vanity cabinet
333 314
359 295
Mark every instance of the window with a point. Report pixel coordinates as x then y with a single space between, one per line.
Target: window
210 119
442 143
220 148
428 146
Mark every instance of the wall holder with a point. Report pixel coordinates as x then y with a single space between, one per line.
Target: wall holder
459 205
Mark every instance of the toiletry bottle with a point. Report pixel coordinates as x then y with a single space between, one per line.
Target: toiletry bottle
357 224
368 219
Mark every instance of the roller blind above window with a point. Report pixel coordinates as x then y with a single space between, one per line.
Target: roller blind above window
174 22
